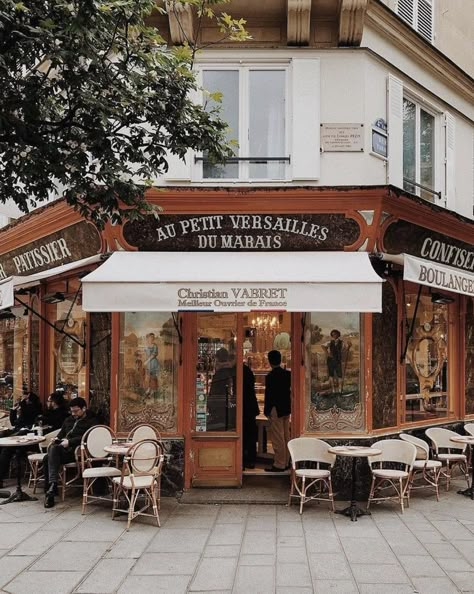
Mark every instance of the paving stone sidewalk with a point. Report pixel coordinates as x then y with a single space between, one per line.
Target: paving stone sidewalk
240 549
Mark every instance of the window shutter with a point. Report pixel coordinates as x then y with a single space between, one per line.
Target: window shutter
406 11
450 126
305 157
395 131
425 19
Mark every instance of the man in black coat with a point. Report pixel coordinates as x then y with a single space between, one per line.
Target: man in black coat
62 450
278 410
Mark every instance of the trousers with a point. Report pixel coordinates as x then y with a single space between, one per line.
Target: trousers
280 435
54 459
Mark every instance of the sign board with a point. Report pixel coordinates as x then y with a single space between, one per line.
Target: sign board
438 276
379 143
242 232
342 138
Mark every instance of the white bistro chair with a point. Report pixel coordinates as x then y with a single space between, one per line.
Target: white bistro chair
36 460
395 452
143 431
428 469
311 465
141 474
469 428
449 453
95 461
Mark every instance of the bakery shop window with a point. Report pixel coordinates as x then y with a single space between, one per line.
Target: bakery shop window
333 344
148 371
14 355
426 394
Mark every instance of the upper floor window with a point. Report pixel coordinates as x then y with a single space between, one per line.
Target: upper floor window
254 104
418 14
418 150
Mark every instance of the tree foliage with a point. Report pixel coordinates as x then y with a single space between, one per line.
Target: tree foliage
92 100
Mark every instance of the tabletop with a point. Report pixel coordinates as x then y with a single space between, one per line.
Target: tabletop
18 441
118 448
469 439
354 451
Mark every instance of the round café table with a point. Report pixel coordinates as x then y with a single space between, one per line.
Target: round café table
19 443
353 511
469 441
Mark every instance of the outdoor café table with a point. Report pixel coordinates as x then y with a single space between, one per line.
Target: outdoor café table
19 442
469 440
354 452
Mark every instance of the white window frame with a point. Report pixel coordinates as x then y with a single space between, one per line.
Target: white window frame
438 147
244 68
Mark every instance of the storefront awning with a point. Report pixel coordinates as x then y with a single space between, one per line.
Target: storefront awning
8 285
433 274
230 281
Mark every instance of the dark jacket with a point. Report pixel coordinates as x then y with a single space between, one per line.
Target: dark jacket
54 417
73 429
250 407
25 415
278 392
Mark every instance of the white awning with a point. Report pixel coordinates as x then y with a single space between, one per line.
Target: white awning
8 285
229 281
433 274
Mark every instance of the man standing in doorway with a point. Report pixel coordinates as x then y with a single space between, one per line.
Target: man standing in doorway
278 410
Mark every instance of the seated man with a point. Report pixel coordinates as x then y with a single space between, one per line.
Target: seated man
62 450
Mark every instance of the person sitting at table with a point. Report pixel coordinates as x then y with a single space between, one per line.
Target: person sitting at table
22 418
62 450
56 412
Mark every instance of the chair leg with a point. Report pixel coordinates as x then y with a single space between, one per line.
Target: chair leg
448 475
303 494
155 503
371 494
85 487
131 507
331 494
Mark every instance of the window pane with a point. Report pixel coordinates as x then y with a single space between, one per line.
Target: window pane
148 370
227 83
216 372
469 360
333 372
426 391
409 145
13 359
426 153
267 122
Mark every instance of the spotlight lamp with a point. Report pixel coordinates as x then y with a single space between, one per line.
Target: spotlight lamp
441 299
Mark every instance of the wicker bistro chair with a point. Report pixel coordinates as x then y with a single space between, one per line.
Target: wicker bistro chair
429 470
452 455
143 431
395 452
469 428
92 453
36 460
141 474
308 478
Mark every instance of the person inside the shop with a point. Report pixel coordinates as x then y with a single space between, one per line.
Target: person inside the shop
278 409
22 417
55 413
62 450
249 425
221 399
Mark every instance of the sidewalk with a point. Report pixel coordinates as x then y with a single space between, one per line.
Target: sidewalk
240 548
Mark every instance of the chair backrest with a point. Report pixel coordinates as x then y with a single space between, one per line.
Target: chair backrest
394 450
144 458
469 428
144 431
422 448
48 438
441 439
95 440
310 449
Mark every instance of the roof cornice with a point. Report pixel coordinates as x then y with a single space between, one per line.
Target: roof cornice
413 45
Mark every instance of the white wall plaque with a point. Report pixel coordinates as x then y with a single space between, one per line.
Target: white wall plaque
342 138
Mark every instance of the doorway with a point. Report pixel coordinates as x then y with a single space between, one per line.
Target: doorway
227 346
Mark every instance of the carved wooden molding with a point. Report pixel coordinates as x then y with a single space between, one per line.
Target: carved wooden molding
351 21
181 22
299 13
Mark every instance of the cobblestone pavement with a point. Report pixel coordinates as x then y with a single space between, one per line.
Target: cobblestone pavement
240 548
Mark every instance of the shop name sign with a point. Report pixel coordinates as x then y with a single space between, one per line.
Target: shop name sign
242 232
73 243
438 276
446 253
245 298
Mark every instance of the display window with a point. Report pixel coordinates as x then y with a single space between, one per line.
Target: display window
333 345
14 356
148 371
469 356
425 392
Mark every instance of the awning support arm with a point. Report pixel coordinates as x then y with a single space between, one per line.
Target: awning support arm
46 321
178 324
412 325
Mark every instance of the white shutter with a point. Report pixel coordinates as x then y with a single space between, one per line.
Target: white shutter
450 126
395 131
424 24
406 11
305 90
